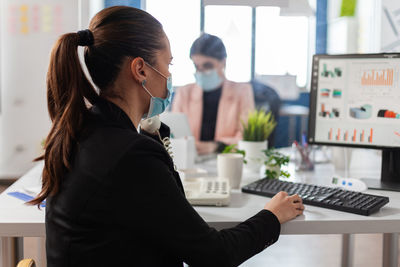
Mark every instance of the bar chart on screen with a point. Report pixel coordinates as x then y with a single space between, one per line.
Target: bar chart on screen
374 77
374 80
358 135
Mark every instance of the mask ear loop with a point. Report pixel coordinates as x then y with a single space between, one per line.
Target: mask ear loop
156 70
144 87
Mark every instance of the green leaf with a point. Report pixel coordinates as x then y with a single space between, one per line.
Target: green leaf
259 125
276 158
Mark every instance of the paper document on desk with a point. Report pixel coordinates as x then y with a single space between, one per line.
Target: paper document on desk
31 190
27 194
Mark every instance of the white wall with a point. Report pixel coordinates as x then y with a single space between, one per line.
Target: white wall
390 26
358 34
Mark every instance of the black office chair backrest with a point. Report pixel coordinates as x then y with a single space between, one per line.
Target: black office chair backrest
267 98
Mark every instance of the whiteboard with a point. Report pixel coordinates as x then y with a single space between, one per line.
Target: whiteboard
28 30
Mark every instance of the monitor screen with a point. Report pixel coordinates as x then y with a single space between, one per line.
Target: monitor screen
355 100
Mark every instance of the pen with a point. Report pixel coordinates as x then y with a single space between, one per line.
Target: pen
304 139
303 156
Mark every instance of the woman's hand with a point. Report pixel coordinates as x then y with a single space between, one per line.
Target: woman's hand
285 207
206 147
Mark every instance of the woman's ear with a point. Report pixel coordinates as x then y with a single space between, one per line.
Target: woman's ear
138 69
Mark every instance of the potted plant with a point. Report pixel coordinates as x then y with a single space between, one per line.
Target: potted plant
272 168
256 129
233 149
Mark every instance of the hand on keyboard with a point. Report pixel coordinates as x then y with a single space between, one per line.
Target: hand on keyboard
285 207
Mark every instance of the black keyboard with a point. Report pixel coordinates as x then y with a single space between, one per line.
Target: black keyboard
321 196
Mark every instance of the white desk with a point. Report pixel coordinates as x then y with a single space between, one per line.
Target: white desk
19 220
319 220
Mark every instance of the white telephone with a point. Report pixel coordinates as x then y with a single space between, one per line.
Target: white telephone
198 191
152 126
207 191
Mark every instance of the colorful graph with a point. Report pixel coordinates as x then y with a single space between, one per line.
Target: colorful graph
385 113
361 113
337 72
337 93
325 92
338 135
359 135
377 77
334 113
346 136
371 135
354 135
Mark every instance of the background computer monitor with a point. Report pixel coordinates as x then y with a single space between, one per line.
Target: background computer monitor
355 102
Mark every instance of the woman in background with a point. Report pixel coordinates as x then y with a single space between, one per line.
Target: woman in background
112 195
214 105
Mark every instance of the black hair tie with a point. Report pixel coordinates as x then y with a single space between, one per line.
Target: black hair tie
85 38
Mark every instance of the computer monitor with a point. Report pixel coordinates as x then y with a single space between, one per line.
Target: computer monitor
355 102
178 124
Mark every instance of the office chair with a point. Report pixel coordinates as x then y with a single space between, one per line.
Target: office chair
26 263
265 97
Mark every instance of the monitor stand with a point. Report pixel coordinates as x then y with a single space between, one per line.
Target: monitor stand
390 173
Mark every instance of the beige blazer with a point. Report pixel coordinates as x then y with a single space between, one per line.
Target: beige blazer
236 101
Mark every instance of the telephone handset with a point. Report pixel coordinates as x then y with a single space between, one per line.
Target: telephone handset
152 126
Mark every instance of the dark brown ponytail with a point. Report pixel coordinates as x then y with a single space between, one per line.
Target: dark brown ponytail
117 33
67 89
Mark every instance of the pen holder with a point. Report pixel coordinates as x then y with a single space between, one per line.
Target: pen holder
304 157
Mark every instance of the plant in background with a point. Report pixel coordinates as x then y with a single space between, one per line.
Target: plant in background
233 149
259 126
273 164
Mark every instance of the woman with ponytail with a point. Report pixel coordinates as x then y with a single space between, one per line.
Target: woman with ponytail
112 195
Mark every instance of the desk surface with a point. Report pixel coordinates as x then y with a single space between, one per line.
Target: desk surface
18 219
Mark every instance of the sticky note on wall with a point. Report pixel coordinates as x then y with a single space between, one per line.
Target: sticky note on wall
12 19
23 19
35 18
47 19
348 8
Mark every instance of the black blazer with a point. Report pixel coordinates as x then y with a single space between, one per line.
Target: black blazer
122 204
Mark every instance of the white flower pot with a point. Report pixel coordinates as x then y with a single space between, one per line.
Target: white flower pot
255 156
275 168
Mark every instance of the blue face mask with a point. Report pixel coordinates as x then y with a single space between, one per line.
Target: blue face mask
209 80
157 104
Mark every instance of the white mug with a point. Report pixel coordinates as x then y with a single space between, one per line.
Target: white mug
230 166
